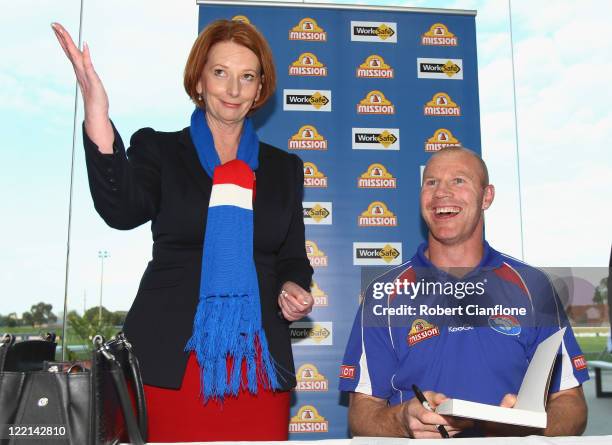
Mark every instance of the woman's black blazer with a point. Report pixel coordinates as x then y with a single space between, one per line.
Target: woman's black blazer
160 179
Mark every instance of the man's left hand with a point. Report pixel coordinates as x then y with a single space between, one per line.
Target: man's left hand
294 301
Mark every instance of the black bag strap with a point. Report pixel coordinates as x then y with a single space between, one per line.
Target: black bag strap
6 342
134 432
141 403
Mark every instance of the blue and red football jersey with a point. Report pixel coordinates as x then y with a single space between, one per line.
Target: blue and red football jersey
470 338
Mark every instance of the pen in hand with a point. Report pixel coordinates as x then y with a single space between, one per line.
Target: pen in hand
421 398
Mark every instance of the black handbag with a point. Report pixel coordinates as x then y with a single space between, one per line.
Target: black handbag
80 403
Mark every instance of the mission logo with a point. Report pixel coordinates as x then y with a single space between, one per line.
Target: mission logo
307 64
375 102
374 67
241 18
307 100
320 297
377 253
377 215
421 330
313 178
307 138
441 105
307 29
439 35
316 257
440 69
380 32
309 379
376 177
440 139
376 139
308 420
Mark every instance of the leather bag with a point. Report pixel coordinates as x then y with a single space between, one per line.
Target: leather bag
76 403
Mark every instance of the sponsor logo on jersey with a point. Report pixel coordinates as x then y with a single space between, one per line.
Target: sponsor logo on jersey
440 139
374 67
347 372
376 139
441 105
306 333
377 215
579 362
308 420
309 379
377 253
307 138
313 178
307 29
375 102
439 35
316 257
307 100
241 18
464 328
376 177
320 297
505 324
439 68
421 330
317 213
385 32
307 65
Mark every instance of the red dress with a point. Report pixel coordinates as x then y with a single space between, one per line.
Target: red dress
179 415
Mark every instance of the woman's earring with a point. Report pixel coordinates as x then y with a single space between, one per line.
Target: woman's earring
200 97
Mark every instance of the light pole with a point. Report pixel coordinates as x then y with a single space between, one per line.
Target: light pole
102 254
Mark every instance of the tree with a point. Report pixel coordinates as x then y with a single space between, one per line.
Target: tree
40 314
601 292
86 329
93 313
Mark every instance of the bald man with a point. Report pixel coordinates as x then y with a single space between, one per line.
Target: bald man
459 320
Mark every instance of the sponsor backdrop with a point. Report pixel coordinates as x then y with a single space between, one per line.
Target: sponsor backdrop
364 97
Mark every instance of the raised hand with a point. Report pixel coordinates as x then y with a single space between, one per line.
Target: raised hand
95 100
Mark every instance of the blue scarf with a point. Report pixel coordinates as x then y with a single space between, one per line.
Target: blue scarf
227 322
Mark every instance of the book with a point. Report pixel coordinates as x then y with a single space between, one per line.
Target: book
530 408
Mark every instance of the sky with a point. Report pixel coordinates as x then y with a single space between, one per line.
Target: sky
562 61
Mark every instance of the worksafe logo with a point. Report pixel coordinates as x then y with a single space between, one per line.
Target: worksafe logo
241 18
375 102
307 138
376 177
309 379
307 100
377 253
376 139
306 333
308 29
318 213
421 330
307 65
320 297
441 138
308 420
374 32
316 257
374 67
439 35
377 215
441 105
313 178
440 68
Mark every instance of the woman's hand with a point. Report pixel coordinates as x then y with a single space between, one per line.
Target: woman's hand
295 302
97 123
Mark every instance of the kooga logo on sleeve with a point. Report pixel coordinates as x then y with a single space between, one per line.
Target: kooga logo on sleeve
440 68
380 32
307 100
